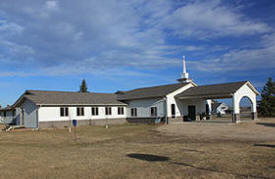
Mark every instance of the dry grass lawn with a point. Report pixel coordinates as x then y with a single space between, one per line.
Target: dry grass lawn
189 150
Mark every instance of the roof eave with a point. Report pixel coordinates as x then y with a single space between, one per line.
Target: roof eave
252 88
210 96
42 104
137 98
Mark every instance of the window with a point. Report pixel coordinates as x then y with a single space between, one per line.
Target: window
108 110
133 111
94 111
80 111
64 111
173 110
153 111
5 113
120 110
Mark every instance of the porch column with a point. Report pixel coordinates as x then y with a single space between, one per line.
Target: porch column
236 109
254 107
209 103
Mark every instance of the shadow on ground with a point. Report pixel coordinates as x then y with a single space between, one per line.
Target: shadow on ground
266 124
265 145
157 158
148 157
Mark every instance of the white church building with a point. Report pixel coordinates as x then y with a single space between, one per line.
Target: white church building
181 101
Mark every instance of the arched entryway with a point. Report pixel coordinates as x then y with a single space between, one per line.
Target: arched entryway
238 99
246 108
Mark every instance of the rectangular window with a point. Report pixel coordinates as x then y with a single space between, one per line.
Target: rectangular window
5 114
153 111
64 111
133 112
120 110
94 111
108 110
80 111
173 110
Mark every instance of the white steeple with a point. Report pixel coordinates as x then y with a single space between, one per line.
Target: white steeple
184 76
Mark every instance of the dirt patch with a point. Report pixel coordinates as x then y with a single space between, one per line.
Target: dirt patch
256 131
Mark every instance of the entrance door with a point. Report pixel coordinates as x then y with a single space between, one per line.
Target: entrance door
192 112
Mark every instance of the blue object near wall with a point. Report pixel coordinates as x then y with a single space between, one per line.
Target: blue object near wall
74 123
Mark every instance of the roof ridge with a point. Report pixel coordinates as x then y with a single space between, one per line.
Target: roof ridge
222 83
76 92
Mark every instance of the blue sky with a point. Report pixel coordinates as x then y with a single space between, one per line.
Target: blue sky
122 44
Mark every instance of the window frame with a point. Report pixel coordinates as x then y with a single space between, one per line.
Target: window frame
94 111
80 111
64 111
108 110
173 110
133 112
120 110
154 111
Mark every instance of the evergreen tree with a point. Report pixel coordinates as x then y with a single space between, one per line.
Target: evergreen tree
83 87
267 103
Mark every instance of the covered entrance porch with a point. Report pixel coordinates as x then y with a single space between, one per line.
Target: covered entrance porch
203 94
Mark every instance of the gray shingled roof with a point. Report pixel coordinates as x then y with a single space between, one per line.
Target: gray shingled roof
149 92
69 98
222 90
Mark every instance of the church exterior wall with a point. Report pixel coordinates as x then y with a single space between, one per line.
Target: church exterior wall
170 98
53 113
87 122
50 116
143 107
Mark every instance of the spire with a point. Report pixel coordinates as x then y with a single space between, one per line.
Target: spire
184 76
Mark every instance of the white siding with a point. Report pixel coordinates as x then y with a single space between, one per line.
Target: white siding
53 114
200 106
171 100
144 107
244 91
30 114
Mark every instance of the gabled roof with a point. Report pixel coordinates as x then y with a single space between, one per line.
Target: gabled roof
216 90
69 98
149 92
